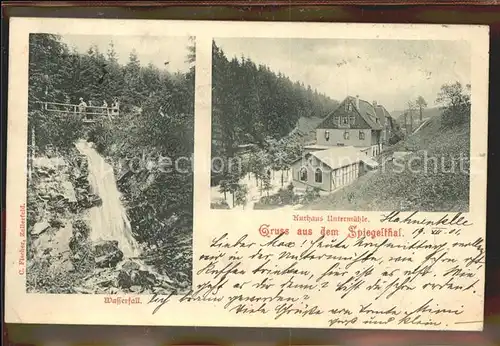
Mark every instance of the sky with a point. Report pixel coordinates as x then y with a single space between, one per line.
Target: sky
390 72
150 49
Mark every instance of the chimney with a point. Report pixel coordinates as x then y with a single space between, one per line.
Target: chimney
357 102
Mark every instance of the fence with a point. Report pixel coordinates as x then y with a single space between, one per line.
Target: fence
89 112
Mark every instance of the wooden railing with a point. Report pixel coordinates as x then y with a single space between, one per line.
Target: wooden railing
88 112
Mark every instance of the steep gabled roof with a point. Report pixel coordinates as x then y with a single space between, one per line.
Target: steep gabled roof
366 111
369 114
381 114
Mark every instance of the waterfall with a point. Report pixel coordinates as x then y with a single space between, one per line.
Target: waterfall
108 221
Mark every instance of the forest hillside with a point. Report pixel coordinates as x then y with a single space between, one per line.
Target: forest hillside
156 121
253 105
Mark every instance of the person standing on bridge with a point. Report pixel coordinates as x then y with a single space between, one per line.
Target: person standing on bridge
91 113
106 109
115 106
82 106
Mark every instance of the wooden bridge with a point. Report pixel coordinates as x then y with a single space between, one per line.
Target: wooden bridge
90 114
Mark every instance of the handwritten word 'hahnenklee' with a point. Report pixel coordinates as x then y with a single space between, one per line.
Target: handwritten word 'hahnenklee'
347 275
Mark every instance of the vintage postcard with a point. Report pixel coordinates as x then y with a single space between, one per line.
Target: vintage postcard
176 173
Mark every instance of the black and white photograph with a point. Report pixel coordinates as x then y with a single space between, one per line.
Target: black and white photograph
340 124
109 171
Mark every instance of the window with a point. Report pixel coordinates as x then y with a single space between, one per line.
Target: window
303 174
344 120
345 173
327 135
349 107
318 176
361 135
352 119
346 135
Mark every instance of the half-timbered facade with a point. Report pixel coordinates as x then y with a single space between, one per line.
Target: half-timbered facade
331 168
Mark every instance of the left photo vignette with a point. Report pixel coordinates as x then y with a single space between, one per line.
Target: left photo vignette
109 205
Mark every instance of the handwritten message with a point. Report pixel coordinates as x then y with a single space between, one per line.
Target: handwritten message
411 272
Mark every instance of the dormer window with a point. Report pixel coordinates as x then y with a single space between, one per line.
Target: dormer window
327 135
344 120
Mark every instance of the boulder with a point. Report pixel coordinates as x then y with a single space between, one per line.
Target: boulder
106 283
82 182
67 266
73 208
78 243
60 205
136 289
69 191
55 223
109 260
40 227
134 277
103 247
124 280
130 266
143 278
86 201
107 254
95 201
83 290
44 172
80 191
79 226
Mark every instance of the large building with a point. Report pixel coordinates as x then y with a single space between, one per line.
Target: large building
355 123
346 141
385 121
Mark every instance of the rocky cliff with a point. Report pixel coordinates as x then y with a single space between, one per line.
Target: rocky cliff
61 256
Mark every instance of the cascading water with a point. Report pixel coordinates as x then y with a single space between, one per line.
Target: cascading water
108 221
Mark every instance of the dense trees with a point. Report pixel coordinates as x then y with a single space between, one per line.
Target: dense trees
251 103
454 99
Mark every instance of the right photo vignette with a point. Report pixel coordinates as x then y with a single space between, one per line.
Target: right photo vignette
340 124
